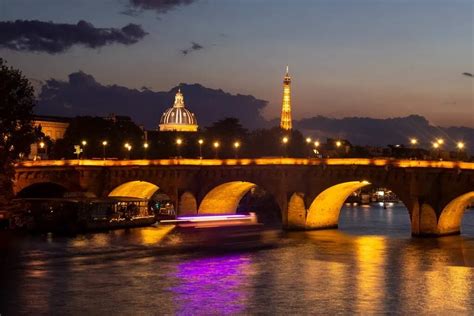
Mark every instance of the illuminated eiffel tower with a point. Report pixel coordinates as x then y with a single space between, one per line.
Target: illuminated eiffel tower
285 121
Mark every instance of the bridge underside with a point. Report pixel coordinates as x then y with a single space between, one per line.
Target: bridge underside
137 189
225 198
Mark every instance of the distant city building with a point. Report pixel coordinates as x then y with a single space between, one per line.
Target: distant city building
178 118
285 120
53 127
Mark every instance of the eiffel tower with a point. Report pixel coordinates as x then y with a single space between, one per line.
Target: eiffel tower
285 121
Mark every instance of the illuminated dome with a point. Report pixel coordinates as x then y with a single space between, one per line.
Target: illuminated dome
178 118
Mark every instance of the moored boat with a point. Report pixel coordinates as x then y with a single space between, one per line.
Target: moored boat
72 215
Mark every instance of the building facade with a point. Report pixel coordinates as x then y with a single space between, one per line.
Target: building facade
54 128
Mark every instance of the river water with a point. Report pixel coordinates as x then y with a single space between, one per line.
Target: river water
371 265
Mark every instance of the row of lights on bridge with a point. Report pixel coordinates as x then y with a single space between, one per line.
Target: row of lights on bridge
436 144
179 141
413 141
236 145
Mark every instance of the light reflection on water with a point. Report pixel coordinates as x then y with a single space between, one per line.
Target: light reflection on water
219 282
370 265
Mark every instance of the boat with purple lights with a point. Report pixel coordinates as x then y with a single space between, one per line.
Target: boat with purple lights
222 231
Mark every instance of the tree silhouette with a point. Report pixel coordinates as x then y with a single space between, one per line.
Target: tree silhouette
16 131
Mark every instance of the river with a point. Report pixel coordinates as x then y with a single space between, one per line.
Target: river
371 265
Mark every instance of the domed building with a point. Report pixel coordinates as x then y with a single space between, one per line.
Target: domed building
178 118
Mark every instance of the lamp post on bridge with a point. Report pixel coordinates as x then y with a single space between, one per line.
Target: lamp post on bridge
200 142
104 144
460 146
42 150
413 143
84 144
436 149
315 150
128 148
216 145
145 149
236 148
338 146
179 142
285 141
308 143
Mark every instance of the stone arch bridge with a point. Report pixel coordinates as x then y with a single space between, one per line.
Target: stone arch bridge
309 192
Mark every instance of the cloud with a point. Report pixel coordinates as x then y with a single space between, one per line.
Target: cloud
194 47
53 38
81 94
372 131
135 7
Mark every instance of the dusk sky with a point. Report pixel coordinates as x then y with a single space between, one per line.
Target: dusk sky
379 58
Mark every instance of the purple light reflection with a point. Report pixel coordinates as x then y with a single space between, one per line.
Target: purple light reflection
212 217
214 285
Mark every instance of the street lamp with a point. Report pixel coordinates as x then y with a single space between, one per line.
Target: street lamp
145 148
236 147
440 141
216 148
128 147
460 146
436 148
316 144
285 141
338 145
42 151
84 143
200 142
104 144
413 141
308 142
179 142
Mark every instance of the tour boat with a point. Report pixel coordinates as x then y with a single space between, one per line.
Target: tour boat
226 231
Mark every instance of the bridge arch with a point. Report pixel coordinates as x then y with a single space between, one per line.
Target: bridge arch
225 198
43 190
451 216
137 189
325 209
243 197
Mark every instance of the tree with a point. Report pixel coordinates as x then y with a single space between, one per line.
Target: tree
227 131
16 130
116 131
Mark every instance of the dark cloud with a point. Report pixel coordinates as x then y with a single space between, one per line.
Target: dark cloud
134 7
194 47
468 74
83 95
372 131
38 36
